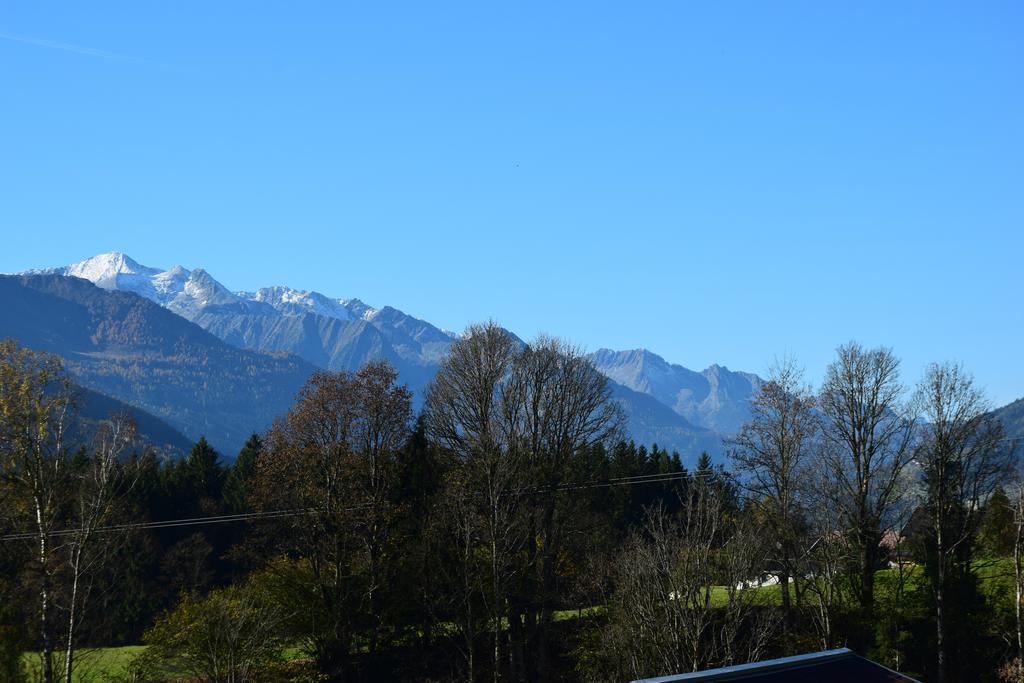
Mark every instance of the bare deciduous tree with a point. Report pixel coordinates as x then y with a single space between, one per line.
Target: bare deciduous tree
822 564
770 454
101 488
464 412
962 460
382 414
556 406
667 613
868 436
520 421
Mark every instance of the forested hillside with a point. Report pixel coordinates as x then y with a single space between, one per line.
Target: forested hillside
1012 417
129 348
93 408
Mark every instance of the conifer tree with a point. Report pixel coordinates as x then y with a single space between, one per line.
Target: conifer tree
997 531
203 471
236 482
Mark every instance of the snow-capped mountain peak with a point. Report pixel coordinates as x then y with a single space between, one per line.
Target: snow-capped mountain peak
177 288
298 302
200 287
169 283
189 292
106 270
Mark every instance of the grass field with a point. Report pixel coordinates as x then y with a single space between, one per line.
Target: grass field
94 666
111 663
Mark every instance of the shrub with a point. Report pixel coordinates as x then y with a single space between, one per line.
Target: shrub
229 636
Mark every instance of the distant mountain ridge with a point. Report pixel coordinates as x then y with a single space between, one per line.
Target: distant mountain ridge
186 292
665 403
716 398
337 334
1012 417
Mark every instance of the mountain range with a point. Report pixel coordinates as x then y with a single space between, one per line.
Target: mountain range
716 398
221 363
335 334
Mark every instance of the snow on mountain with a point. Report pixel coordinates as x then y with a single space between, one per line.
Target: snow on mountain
358 308
197 291
105 270
338 334
112 270
168 284
187 292
298 302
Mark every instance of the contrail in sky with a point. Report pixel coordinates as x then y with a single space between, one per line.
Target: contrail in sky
61 46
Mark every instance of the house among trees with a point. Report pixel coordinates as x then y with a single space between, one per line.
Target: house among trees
841 665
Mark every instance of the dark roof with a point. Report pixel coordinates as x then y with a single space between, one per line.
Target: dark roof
835 666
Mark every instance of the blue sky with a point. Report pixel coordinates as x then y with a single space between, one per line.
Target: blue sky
720 183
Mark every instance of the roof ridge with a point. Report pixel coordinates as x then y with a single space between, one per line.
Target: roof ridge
756 669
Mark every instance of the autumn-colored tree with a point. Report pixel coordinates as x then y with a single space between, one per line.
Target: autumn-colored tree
328 472
227 636
36 415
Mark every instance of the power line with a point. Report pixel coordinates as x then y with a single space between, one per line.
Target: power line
160 524
659 478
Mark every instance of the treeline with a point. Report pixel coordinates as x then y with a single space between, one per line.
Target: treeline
510 531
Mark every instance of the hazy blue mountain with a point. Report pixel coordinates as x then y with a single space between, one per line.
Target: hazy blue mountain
129 348
649 421
94 407
1012 417
716 398
668 404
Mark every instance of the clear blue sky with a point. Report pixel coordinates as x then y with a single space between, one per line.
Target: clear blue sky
719 183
